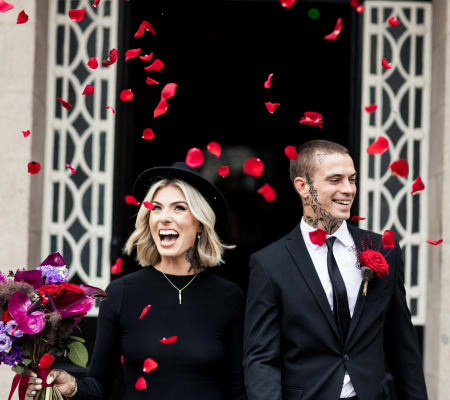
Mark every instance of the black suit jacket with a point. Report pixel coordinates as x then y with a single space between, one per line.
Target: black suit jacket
292 348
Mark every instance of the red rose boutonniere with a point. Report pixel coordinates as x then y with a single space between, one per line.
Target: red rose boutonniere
372 263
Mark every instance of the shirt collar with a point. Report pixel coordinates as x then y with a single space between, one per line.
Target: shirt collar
342 234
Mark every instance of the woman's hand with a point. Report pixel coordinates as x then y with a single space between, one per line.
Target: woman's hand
63 381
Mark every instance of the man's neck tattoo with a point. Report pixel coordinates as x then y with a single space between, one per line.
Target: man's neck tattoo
321 157
319 218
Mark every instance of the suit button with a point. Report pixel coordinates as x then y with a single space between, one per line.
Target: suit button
346 357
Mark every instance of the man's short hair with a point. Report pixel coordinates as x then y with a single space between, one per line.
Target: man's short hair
306 163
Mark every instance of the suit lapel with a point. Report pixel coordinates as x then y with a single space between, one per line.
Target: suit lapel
297 247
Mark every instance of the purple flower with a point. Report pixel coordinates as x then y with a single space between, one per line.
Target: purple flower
54 260
2 278
5 342
2 327
33 277
12 329
28 323
14 356
54 274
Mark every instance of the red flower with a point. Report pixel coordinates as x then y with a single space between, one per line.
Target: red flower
223 171
6 316
417 185
336 32
291 152
400 168
22 17
388 239
194 157
318 237
149 365
46 361
379 146
268 192
375 261
268 81
145 311
62 293
214 149
254 167
169 340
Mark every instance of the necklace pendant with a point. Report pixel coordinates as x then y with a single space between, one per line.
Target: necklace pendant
179 296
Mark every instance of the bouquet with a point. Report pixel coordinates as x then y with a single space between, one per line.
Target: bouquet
39 312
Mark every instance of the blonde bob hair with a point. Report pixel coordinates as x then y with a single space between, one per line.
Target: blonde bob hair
210 249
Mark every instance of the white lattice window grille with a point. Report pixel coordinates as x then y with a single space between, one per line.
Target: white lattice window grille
77 210
403 98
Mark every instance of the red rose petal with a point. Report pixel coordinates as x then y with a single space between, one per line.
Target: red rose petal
393 21
287 3
46 361
88 90
370 108
388 239
356 218
141 384
113 110
144 26
318 237
132 53
150 81
96 3
156 65
271 106
73 170
312 118
400 168
148 205
194 157
145 311
149 365
65 104
126 95
360 9
435 242
117 267
291 152
169 340
356 4
131 200
417 185
5 6
268 192
22 17
77 15
379 146
93 63
147 57
161 108
33 167
223 171
26 133
268 81
148 134
254 167
214 149
112 58
122 360
168 91
386 64
337 31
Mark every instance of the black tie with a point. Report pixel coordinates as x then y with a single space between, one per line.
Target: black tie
340 301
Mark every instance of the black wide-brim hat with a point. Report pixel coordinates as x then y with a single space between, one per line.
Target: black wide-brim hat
183 172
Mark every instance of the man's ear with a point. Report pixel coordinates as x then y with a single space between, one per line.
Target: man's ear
302 187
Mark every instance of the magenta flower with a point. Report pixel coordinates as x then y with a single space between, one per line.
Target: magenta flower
33 277
28 323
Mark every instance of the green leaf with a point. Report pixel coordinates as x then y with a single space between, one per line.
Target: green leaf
78 339
18 369
78 354
26 361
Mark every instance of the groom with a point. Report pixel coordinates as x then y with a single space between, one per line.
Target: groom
310 334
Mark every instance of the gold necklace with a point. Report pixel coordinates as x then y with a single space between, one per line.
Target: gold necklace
177 288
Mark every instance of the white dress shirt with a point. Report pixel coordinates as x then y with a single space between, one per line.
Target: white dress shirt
345 255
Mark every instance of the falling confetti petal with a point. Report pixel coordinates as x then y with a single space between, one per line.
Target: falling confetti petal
150 81
149 365
5 6
379 146
271 106
73 170
318 237
168 91
126 95
356 218
417 185
148 134
145 311
268 82
393 21
169 340
370 108
291 152
148 205
22 17
254 167
141 384
161 108
132 53
33 167
287 3
388 239
117 267
386 64
122 360
112 58
337 31
26 133
77 15
96 3
93 63
131 200
223 171
113 110
144 26
88 90
214 149
268 192
65 104
156 65
435 242
147 57
356 4
400 168
312 118
195 157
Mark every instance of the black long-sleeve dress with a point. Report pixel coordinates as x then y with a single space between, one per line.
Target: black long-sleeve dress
205 361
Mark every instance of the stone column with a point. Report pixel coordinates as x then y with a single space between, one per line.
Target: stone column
437 329
23 50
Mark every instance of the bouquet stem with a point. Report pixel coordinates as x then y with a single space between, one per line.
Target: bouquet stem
366 283
48 393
